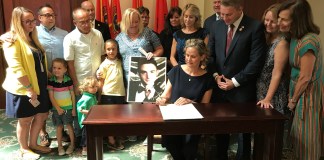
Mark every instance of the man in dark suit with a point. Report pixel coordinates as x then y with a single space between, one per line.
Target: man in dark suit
102 27
238 48
213 18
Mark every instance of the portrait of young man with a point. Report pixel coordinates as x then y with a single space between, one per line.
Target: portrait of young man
147 79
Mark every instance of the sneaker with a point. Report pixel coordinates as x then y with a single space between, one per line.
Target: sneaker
45 140
70 149
84 153
28 154
132 138
61 151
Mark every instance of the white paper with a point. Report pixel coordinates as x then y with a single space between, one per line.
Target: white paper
143 51
174 112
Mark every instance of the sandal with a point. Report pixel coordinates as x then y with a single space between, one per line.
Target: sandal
115 146
28 154
45 140
40 149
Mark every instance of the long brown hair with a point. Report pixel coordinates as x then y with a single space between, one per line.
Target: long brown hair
274 10
302 18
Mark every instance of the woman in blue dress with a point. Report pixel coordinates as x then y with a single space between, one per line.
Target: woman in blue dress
191 29
187 83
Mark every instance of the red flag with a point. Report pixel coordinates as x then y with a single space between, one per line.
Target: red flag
106 12
174 3
102 11
137 3
161 12
116 18
98 10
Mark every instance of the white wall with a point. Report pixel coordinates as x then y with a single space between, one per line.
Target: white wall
318 12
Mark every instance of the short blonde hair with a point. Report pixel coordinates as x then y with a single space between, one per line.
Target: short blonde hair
194 10
87 82
17 29
127 20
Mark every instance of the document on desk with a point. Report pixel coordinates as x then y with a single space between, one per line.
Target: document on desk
174 112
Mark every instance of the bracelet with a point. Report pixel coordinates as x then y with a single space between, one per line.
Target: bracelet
292 100
28 86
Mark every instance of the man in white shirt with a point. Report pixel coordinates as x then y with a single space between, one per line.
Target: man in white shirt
83 48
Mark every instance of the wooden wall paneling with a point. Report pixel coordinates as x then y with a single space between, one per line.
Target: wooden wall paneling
7 12
3 66
2 60
2 22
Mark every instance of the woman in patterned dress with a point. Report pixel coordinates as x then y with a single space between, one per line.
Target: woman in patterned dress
133 36
306 83
272 85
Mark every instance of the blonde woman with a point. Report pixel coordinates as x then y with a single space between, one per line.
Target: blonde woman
133 36
26 81
191 28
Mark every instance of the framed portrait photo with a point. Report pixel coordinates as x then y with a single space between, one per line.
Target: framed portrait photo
147 79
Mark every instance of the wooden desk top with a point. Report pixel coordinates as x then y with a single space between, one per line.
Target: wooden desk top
144 113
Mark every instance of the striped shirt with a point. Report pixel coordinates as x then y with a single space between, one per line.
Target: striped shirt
62 91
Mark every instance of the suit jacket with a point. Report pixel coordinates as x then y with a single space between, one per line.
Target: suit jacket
104 29
244 60
135 86
209 22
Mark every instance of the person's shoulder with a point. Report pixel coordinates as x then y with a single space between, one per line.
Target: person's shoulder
61 31
73 34
98 23
211 18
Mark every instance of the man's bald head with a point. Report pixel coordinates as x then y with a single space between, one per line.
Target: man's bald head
90 8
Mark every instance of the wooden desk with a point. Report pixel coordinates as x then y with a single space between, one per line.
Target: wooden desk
146 119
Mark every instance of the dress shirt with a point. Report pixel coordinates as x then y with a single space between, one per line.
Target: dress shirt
140 94
217 17
52 41
85 50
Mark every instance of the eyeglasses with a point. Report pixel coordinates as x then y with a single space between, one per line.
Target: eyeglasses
145 17
29 22
48 15
84 22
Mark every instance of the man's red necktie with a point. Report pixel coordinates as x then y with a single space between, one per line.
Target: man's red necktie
229 37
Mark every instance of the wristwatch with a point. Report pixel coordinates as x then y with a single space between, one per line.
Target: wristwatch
215 75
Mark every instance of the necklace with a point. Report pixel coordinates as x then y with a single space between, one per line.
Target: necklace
40 58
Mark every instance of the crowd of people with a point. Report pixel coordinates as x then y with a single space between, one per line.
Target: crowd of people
276 62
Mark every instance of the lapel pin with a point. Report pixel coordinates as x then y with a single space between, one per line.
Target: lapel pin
242 27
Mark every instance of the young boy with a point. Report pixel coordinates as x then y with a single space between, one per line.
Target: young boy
60 89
